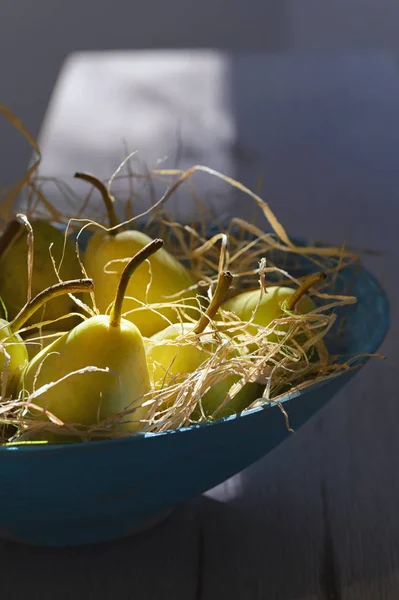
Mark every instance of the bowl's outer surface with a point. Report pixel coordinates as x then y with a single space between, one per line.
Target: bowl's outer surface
87 493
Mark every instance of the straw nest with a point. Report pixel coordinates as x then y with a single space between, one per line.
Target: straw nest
294 358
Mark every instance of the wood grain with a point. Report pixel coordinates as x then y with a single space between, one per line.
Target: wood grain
127 568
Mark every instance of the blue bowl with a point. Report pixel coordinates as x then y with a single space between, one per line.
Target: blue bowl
66 495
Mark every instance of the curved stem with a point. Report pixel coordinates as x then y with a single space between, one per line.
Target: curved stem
12 230
107 197
59 289
307 284
222 287
140 257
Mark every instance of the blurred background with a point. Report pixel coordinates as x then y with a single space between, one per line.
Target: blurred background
297 100
36 37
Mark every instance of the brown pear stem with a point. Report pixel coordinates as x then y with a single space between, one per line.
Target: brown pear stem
140 257
12 231
107 197
222 287
307 284
58 289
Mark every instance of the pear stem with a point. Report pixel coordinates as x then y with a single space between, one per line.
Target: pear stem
140 257
58 289
9 234
107 197
307 284
222 287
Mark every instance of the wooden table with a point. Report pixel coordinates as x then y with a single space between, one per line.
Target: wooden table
318 518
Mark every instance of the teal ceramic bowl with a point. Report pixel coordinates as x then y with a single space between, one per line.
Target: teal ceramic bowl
86 493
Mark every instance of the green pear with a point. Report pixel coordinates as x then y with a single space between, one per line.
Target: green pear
14 269
174 352
101 364
262 308
13 356
155 281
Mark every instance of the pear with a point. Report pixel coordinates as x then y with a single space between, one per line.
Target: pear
14 268
101 364
13 357
36 341
174 352
155 282
14 353
262 308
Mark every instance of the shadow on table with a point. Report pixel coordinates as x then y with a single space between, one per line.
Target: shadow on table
319 513
158 563
267 542
280 547
206 549
242 558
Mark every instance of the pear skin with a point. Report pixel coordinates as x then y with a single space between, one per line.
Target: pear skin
88 398
14 272
170 360
265 308
98 370
164 277
36 341
11 344
152 284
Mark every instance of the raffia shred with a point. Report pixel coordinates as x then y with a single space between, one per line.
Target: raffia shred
257 257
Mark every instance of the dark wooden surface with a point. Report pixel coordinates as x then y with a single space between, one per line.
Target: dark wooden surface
318 518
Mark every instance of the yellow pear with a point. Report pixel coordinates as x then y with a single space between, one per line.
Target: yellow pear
14 353
100 366
35 342
181 348
14 269
155 282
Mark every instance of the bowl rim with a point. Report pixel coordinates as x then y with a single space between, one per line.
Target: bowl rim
374 343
